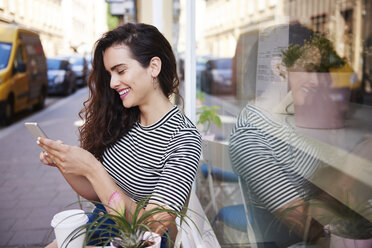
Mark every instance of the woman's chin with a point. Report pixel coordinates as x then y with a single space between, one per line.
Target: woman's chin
127 104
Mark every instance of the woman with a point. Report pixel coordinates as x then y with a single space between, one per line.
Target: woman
134 142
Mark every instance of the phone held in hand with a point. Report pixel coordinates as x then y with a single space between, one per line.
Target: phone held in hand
35 130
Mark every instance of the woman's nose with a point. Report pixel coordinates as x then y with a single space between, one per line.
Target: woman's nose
114 82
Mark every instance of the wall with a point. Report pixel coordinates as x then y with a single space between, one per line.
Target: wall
63 25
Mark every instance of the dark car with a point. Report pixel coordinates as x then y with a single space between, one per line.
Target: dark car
200 66
89 61
216 77
61 77
80 67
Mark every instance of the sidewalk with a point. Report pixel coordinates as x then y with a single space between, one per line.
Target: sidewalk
29 204
31 193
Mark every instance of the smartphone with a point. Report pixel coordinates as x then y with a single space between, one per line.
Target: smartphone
35 130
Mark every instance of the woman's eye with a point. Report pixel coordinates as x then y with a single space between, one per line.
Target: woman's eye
121 72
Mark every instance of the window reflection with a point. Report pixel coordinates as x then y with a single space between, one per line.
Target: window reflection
297 135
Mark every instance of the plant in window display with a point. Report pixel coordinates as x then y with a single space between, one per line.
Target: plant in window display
349 225
346 225
207 115
320 81
316 55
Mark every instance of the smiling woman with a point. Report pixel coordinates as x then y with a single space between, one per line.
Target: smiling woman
133 141
135 84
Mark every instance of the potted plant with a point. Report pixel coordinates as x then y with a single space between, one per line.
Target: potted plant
207 115
351 227
320 81
348 223
117 229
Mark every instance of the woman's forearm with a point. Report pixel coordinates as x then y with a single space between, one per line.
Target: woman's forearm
106 188
81 186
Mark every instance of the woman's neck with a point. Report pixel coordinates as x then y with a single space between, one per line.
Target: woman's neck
151 113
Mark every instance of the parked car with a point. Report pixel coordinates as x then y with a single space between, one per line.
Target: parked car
216 77
23 71
79 66
200 66
88 58
61 77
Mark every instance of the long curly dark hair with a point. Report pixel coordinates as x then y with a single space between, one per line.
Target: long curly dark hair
106 119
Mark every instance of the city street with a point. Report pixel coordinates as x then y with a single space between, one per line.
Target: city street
31 193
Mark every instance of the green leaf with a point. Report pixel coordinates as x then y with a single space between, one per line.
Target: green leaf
208 115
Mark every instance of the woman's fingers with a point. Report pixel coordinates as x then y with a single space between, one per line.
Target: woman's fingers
49 144
53 148
45 159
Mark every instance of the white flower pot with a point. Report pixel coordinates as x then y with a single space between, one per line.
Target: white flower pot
149 236
320 101
153 237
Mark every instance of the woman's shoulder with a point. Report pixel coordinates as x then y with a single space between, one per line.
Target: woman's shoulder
184 123
183 127
252 116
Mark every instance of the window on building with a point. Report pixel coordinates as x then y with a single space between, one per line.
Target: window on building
319 23
290 108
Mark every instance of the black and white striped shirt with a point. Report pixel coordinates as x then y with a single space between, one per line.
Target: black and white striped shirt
159 160
273 160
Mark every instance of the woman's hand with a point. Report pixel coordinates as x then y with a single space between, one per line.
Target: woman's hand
68 159
45 159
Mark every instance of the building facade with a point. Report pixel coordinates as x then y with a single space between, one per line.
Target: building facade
226 20
65 26
164 14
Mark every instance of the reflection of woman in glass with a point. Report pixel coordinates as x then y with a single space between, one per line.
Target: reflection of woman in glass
274 163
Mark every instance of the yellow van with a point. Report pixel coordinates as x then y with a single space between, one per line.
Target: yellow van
23 71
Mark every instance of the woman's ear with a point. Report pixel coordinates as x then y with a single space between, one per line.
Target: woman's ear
155 66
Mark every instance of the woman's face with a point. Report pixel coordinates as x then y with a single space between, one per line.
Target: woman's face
129 79
307 86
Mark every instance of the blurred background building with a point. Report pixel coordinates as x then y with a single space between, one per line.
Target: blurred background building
65 26
225 21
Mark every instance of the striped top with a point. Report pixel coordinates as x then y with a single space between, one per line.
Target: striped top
272 159
159 160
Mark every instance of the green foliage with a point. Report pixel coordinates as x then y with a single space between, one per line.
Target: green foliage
348 219
200 95
112 21
316 55
208 115
124 233
293 53
329 57
348 222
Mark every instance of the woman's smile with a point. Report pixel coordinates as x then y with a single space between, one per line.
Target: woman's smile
129 78
124 92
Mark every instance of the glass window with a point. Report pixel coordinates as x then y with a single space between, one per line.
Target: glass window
54 64
5 50
76 61
19 58
286 120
